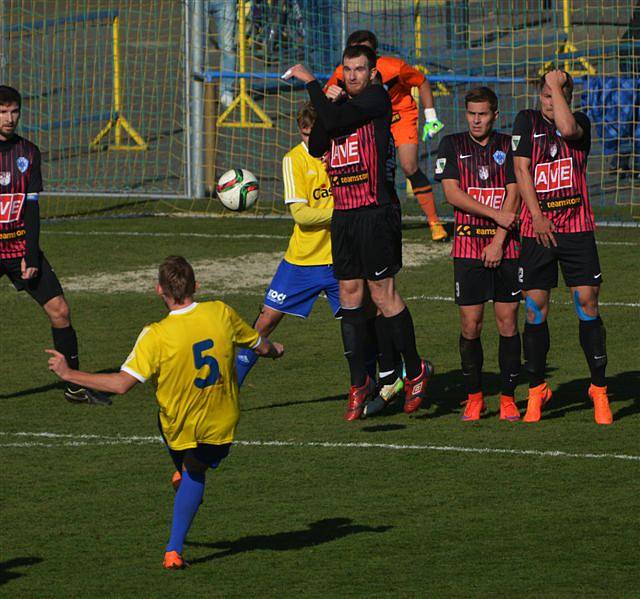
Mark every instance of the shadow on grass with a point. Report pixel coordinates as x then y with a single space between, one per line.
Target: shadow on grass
7 568
572 396
383 428
286 404
317 533
50 387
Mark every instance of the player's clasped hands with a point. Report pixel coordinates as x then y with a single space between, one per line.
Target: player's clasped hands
506 220
492 255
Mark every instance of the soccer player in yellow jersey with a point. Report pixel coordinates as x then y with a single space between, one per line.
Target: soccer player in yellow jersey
307 267
189 356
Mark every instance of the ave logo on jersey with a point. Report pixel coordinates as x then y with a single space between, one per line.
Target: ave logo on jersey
551 176
22 164
489 196
10 207
499 156
515 141
440 164
5 178
345 151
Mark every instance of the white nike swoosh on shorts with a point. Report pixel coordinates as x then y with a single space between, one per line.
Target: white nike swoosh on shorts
383 270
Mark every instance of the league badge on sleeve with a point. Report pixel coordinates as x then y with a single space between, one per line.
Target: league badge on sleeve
515 141
483 171
22 163
499 156
5 178
440 164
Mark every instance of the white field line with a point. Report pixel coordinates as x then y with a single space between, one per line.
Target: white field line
71 440
223 235
444 298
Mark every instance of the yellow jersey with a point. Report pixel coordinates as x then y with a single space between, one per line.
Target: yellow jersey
190 358
306 181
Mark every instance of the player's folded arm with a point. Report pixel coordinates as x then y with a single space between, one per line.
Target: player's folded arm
304 215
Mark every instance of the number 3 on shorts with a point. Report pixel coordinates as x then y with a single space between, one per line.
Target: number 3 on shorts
201 360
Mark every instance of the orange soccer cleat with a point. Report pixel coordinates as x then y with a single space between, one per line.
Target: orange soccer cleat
601 409
538 397
416 390
176 479
438 232
173 561
358 396
508 409
474 406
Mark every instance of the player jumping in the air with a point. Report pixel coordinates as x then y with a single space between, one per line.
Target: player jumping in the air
399 78
20 256
476 170
189 356
354 135
551 147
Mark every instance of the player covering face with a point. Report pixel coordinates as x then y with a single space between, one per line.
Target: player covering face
551 147
477 177
189 357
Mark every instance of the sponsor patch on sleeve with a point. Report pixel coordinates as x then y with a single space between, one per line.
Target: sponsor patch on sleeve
440 164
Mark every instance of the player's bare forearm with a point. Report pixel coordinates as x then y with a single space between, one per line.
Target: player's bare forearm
426 95
563 117
525 184
511 204
463 201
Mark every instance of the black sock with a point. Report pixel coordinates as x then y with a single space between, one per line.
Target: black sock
404 339
354 328
387 351
471 360
371 349
509 360
536 346
594 345
66 342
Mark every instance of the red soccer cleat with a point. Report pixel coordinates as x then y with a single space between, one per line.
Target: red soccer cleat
508 408
416 390
173 561
474 406
358 396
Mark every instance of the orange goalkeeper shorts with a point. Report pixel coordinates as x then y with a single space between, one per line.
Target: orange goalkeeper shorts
404 127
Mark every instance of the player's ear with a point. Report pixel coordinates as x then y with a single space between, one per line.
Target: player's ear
159 290
197 286
373 74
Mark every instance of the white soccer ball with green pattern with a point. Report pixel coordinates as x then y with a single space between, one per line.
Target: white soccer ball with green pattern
238 189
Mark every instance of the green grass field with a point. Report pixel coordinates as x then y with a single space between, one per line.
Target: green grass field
307 504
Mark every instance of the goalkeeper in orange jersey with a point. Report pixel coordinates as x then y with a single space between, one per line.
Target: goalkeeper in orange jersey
399 77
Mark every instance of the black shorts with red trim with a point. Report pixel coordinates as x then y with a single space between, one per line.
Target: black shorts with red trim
366 242
576 253
477 284
42 288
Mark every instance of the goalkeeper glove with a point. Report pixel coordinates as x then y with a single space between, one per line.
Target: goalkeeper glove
432 125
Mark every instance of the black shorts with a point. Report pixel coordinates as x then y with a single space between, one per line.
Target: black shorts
476 284
578 257
43 288
366 242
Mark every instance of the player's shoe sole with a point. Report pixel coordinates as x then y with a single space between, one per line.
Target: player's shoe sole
173 561
416 390
474 407
601 408
385 396
358 396
88 396
538 398
508 409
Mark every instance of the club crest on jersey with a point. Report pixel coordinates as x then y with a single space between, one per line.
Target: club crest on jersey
553 149
499 156
515 140
483 172
22 163
5 178
440 164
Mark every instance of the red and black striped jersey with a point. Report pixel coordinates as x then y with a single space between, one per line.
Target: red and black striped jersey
354 139
483 173
20 181
558 170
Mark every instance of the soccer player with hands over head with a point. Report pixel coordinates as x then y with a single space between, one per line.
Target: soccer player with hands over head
190 358
354 137
551 146
476 171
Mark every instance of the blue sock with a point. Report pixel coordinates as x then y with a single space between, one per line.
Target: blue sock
245 359
185 507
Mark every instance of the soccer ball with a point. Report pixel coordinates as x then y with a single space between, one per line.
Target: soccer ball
237 189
